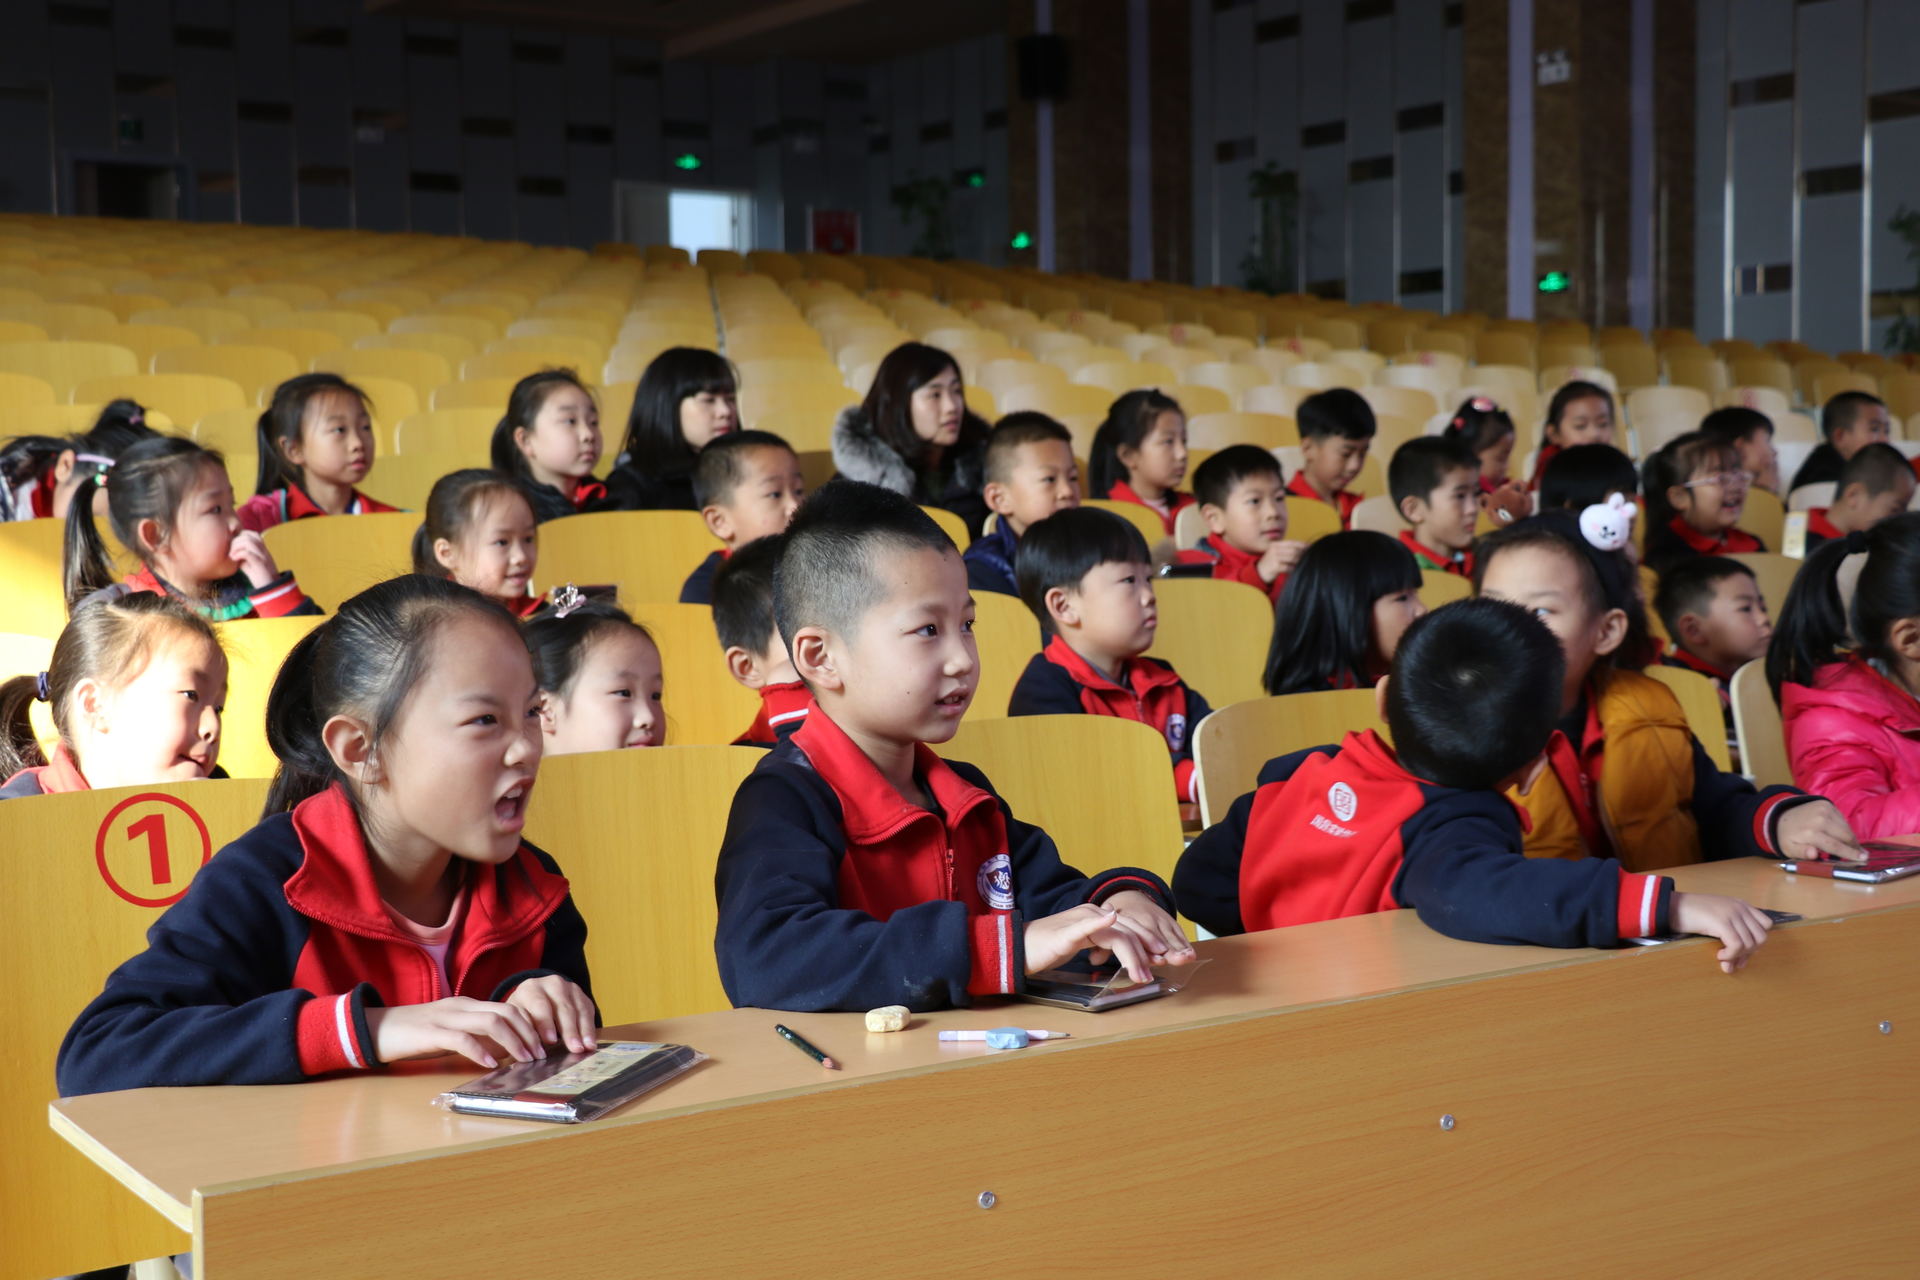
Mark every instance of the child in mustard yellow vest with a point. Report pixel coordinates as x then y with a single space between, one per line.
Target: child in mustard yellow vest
1627 779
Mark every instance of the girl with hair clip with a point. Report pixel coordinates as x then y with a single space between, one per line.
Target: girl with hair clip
1341 616
479 531
914 434
136 688
685 398
1487 431
1139 455
1847 678
599 677
1625 776
1696 492
170 503
39 474
549 444
316 444
386 906
1579 413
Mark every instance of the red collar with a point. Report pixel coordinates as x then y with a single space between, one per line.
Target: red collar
42 496
1728 543
1344 501
334 883
146 580
1380 760
870 809
588 490
59 775
781 705
296 505
527 605
1547 452
1578 771
1237 562
1460 562
1820 527
1176 501
1136 676
1680 657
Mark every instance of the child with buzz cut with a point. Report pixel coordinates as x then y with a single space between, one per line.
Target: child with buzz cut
1243 498
1362 827
756 657
1086 575
1030 474
1717 618
747 485
1876 482
1336 428
859 869
1435 483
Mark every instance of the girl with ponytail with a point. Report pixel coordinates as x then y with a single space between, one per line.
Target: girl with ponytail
1847 678
316 445
39 474
386 906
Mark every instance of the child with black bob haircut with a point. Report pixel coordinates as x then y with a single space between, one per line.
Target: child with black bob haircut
686 398
1586 475
1435 483
1085 575
39 474
755 655
859 868
1336 428
1243 498
1344 611
1362 827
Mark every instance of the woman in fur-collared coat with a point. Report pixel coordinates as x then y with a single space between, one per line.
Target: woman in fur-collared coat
914 434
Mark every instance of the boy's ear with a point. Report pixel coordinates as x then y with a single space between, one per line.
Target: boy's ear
744 667
1216 519
1693 631
998 500
1380 698
1611 632
719 522
814 658
1413 509
1063 606
443 553
350 743
1852 496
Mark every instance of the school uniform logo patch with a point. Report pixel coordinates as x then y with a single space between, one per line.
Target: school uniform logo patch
996 882
1176 730
1342 801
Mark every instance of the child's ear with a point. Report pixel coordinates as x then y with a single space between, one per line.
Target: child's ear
1904 638
63 467
1679 497
147 534
719 522
744 667
350 744
1063 606
443 553
294 451
90 699
1216 519
1413 509
813 659
1380 698
520 440
549 718
1693 631
1610 633
998 500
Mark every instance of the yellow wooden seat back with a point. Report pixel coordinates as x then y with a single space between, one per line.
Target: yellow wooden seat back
30 562
1218 430
473 393
1233 744
1438 588
1101 786
516 362
255 648
1007 636
59 1213
1700 701
1215 634
705 705
334 558
1145 519
231 431
637 834
646 554
1756 722
145 340
1774 572
1309 519
404 481
17 389
465 433
421 371
184 397
1765 517
64 365
302 344
257 369
211 320
950 524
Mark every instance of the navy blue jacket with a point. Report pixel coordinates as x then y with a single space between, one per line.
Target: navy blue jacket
990 561
698 588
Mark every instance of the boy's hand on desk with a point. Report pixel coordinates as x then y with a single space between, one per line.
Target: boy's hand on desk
559 1010
1741 927
1053 940
454 1025
1165 941
1807 831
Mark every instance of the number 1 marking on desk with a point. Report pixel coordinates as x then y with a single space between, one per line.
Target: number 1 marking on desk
154 828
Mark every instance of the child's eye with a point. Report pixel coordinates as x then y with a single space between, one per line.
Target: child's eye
967 626
487 719
191 696
623 693
1542 612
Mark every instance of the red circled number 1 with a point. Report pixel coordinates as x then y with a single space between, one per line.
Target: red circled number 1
153 828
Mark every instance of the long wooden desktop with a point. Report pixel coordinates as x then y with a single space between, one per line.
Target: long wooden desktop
1362 1096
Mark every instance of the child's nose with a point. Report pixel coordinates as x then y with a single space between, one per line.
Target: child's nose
209 724
525 746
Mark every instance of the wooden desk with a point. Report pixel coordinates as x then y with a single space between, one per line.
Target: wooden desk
1611 1112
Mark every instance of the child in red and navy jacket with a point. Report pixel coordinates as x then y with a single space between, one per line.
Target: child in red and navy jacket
1435 483
859 868
1139 455
1243 498
308 945
748 484
1363 827
316 445
750 642
1085 574
169 501
1336 430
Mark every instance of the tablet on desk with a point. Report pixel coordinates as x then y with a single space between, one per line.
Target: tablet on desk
1885 861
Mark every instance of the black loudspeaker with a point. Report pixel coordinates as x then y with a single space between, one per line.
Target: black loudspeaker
1043 68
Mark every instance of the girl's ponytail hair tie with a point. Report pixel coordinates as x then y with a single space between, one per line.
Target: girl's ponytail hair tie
40 689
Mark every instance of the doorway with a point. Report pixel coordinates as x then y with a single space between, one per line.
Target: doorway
116 188
690 218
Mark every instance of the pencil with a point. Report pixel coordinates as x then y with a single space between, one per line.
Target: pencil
799 1042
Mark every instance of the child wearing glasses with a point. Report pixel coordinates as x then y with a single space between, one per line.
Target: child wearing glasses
1696 493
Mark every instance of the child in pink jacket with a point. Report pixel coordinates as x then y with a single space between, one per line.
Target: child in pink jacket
1851 715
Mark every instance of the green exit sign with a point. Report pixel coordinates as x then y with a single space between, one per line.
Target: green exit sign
1555 282
689 162
1021 240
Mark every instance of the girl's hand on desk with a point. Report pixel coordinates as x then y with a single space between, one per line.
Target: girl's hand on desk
559 1010
1159 933
458 1024
1743 928
1808 831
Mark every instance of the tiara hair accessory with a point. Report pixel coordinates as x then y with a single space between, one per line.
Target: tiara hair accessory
40 689
1608 526
1482 404
564 600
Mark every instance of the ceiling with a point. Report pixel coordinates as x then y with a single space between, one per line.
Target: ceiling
740 30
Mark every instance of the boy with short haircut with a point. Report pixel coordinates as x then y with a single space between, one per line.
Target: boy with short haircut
1087 576
756 657
1243 498
1876 482
1435 483
748 485
1030 474
1336 427
1712 609
1850 422
1362 827
1751 432
859 869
